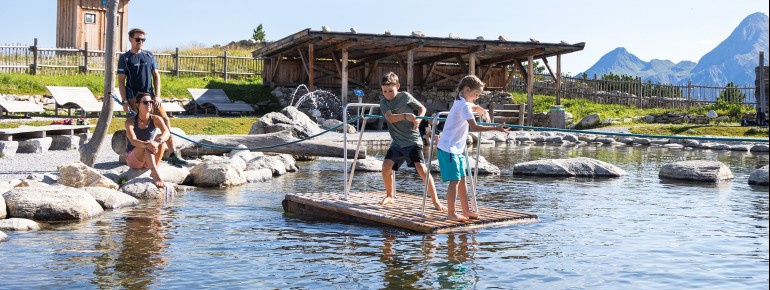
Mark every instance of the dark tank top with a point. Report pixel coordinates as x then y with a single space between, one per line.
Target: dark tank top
141 134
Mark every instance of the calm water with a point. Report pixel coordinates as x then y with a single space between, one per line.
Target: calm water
633 232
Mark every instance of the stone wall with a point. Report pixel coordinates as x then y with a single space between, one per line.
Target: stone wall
677 118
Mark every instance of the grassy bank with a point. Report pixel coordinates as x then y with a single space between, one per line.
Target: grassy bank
191 126
249 90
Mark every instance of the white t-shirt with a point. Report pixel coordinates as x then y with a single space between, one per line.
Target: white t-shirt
456 127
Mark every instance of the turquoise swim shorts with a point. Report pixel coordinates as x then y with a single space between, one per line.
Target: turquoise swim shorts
452 166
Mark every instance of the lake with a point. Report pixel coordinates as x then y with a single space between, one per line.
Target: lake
635 232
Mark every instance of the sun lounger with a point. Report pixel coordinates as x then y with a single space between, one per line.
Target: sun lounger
79 98
218 100
12 107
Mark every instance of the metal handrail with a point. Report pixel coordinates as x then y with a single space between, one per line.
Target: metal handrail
348 179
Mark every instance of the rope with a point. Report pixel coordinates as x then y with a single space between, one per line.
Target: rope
249 148
707 138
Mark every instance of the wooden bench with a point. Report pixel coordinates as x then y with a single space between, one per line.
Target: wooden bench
513 114
43 131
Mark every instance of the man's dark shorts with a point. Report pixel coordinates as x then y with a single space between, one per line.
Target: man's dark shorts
409 154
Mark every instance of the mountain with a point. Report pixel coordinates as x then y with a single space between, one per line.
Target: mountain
733 60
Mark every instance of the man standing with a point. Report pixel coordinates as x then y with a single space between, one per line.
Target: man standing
138 73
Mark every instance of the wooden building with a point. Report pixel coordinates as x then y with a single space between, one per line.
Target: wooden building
84 21
339 59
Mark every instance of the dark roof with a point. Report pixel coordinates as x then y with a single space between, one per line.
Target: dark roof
367 47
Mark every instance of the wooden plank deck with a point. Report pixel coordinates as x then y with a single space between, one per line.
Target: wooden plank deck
363 207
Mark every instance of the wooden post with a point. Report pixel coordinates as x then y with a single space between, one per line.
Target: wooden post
35 54
558 79
84 69
530 83
472 63
310 64
176 62
410 71
224 66
761 100
344 72
640 91
689 93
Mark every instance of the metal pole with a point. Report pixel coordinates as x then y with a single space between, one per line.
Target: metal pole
345 146
476 173
434 122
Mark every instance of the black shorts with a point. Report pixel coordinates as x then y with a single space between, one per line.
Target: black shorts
409 154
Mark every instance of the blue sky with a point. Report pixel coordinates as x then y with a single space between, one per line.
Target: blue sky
662 29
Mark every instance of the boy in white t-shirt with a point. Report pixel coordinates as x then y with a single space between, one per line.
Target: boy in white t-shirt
451 145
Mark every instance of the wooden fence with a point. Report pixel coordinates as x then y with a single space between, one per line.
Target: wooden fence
636 93
68 61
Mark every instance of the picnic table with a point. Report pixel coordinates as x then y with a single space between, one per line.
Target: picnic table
43 131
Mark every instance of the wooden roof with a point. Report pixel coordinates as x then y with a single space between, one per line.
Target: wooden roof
364 47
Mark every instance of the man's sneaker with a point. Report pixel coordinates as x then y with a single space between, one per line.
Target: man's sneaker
176 160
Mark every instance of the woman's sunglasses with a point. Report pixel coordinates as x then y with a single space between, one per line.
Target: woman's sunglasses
146 102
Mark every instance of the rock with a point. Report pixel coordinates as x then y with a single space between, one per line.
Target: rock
218 173
8 148
34 145
168 173
659 141
649 119
258 175
110 198
692 143
759 148
642 141
19 225
3 212
51 203
369 165
571 138
588 122
77 174
3 237
554 139
573 167
696 170
673 146
605 140
331 123
741 147
485 168
144 188
65 142
246 155
720 147
712 114
759 176
274 163
627 140
46 178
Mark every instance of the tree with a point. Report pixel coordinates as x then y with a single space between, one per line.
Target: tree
88 150
732 94
259 34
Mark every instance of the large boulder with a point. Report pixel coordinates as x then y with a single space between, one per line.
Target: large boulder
65 142
3 212
34 145
8 148
588 122
167 172
369 165
572 167
485 167
3 237
278 164
19 225
759 176
77 174
110 198
144 188
218 172
696 170
291 119
51 203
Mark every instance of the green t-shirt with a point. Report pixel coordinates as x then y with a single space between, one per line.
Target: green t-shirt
402 132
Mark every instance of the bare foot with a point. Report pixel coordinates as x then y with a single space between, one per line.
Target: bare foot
457 218
387 200
471 215
159 183
438 206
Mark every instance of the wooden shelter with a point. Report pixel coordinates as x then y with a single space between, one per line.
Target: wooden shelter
84 21
340 59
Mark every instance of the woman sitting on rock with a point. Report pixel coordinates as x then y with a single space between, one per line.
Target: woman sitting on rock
145 144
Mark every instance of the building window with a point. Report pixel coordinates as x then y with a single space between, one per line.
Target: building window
90 18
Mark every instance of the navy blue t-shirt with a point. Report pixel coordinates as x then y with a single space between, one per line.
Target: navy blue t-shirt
138 69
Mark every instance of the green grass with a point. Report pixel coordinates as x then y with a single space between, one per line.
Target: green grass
191 126
700 130
249 90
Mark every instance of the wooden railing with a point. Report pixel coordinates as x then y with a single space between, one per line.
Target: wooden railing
636 93
68 61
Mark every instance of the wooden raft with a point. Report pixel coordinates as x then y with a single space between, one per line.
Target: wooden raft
364 207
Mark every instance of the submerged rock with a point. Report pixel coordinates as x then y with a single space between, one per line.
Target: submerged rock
759 176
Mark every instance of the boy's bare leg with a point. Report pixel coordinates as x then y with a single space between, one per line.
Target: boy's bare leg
463 192
387 179
450 199
423 172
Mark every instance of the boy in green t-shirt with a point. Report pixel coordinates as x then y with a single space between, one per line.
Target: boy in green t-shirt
399 108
